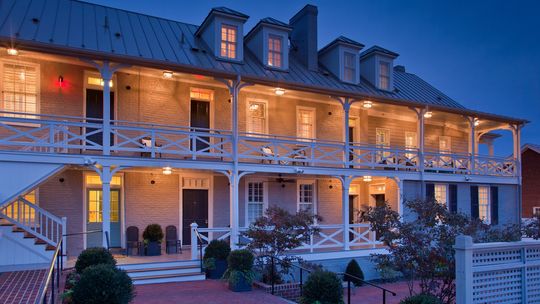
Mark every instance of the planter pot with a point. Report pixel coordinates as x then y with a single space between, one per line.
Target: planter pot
219 269
241 285
153 248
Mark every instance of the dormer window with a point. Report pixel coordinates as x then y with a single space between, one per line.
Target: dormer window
228 41
275 49
340 57
384 75
349 67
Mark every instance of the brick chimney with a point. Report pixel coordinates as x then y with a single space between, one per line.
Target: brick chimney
304 36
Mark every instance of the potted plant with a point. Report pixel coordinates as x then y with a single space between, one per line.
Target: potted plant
153 235
215 258
239 273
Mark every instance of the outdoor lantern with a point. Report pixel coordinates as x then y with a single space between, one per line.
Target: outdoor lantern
60 81
367 104
167 74
476 122
279 91
13 51
428 114
167 170
367 178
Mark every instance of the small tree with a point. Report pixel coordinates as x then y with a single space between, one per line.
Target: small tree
353 273
279 231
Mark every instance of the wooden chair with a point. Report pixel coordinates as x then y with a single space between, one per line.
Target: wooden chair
171 240
132 240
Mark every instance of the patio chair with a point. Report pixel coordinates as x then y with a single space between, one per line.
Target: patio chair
268 154
147 143
132 240
172 241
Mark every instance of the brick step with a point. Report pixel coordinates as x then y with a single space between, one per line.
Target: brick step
166 278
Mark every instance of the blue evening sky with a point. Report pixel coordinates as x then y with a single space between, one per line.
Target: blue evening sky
484 54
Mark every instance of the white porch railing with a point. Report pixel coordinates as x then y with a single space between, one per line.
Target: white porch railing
377 157
34 220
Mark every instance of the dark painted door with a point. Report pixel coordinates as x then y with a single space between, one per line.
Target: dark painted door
94 114
200 118
194 209
379 199
352 212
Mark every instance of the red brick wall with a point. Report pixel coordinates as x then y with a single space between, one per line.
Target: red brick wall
530 171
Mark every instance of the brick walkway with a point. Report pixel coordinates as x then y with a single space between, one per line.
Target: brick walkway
209 292
20 286
370 294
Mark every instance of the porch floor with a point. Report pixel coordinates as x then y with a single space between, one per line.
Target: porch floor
122 259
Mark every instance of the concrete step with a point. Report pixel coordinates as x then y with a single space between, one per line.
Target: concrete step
192 263
137 273
167 278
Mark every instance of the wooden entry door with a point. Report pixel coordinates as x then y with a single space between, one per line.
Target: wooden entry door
194 209
94 114
200 122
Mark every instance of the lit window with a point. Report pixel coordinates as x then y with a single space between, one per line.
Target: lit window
306 197
94 180
382 138
22 212
96 81
305 123
536 211
349 67
201 94
274 51
384 75
228 41
441 194
256 117
255 201
484 211
444 144
411 144
95 206
20 89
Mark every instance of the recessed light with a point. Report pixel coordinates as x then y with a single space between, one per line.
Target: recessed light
428 114
279 91
13 51
168 74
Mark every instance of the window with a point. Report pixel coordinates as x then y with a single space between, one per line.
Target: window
201 94
382 140
444 144
95 180
20 89
305 122
255 201
411 144
441 194
256 117
349 67
275 47
306 196
95 206
536 211
22 211
384 75
228 41
484 211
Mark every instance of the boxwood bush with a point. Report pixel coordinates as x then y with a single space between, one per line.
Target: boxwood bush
103 283
94 256
322 287
216 250
421 299
355 271
153 233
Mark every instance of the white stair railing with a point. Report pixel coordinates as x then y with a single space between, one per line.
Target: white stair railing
34 220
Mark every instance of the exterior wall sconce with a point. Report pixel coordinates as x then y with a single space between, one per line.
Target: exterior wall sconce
60 81
367 178
279 91
167 170
168 74
428 114
13 51
367 104
476 122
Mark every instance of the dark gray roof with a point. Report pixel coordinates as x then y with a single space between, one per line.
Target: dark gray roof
226 10
273 21
342 39
75 27
378 49
534 147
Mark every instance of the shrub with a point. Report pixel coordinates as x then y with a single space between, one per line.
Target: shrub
153 233
103 284
421 299
240 264
356 273
216 250
94 256
322 287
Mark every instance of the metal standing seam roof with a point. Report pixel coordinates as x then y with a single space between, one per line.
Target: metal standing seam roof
85 27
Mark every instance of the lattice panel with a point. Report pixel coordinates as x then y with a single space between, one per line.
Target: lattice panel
497 286
533 254
533 284
502 256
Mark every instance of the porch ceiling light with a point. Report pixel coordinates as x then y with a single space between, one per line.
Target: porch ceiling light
279 91
13 51
102 83
428 114
167 170
168 74
367 104
367 178
476 122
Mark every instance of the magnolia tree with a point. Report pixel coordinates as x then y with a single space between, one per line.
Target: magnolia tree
422 248
277 232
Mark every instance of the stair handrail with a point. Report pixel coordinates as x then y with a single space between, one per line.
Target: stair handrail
52 277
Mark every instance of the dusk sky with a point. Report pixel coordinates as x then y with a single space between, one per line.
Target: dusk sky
483 54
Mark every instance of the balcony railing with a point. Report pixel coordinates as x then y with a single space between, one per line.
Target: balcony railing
76 135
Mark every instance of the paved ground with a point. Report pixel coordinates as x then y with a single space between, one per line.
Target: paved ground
208 291
20 286
370 294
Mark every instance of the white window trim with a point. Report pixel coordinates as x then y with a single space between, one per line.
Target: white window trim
449 140
220 41
487 220
535 210
267 51
385 130
446 203
314 131
248 121
246 197
356 62
315 200
379 74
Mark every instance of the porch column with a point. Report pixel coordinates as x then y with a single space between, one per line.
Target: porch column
345 185
516 137
234 211
420 142
106 74
106 176
346 109
472 144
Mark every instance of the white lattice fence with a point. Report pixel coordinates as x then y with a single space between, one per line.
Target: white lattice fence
497 272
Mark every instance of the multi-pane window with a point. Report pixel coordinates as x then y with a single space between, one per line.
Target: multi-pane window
228 41
20 89
349 67
23 211
536 211
255 201
95 206
306 196
444 144
384 75
306 123
484 211
411 144
382 140
275 47
256 120
441 194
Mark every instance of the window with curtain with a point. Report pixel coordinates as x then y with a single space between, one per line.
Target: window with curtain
255 201
20 89
305 123
484 211
275 47
384 75
349 67
256 120
411 143
306 196
441 194
382 140
228 41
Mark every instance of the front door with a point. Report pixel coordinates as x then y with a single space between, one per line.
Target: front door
194 209
94 114
94 219
200 118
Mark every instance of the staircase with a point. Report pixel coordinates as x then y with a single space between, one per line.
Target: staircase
164 272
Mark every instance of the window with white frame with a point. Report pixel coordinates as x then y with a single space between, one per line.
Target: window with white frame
275 49
306 196
349 67
536 211
411 144
228 41
384 75
256 117
445 145
382 140
441 194
20 89
484 211
305 122
255 200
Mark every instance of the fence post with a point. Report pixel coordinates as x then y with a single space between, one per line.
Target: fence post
194 241
464 273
